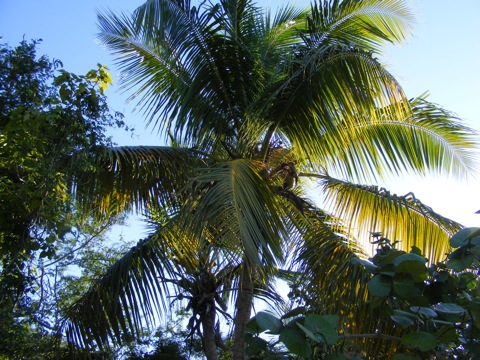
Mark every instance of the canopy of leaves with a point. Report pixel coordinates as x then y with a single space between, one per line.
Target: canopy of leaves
51 127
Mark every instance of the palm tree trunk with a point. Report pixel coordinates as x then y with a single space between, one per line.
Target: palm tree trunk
209 345
243 308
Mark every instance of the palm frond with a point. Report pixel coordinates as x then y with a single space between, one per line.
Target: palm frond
333 284
139 289
326 83
366 24
431 140
167 52
122 302
332 89
135 177
282 31
234 199
370 209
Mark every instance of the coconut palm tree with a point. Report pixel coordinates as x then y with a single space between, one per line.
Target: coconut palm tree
254 105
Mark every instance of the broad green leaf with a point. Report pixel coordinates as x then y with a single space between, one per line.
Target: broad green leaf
310 334
390 257
333 320
443 322
417 270
468 280
449 308
388 273
322 328
421 340
462 236
255 344
294 322
380 285
296 342
409 258
405 314
266 321
447 334
294 312
403 285
412 264
252 326
460 260
403 321
425 311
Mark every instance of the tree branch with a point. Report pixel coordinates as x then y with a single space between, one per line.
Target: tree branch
102 229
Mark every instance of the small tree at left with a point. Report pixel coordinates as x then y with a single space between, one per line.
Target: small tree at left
52 125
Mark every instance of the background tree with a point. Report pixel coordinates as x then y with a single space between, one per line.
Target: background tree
254 104
50 127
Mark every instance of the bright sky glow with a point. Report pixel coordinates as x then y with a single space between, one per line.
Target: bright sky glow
442 58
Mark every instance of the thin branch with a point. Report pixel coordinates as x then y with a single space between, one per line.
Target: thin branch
102 229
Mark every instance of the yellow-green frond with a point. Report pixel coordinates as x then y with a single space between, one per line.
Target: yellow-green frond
404 218
233 199
365 23
135 177
427 140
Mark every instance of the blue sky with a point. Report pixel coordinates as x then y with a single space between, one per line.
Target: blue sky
442 58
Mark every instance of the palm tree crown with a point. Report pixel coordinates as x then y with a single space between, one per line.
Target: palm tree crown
254 104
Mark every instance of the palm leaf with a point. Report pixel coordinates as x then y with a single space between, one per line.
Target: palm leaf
236 201
117 303
366 24
405 218
324 260
334 284
430 140
329 82
135 292
135 177
177 87
331 88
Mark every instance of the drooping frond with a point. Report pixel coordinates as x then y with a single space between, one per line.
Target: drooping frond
140 288
233 199
134 177
370 209
430 140
331 90
366 24
123 301
334 284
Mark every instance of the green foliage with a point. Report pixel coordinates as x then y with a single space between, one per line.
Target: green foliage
434 308
433 311
171 341
51 129
298 333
